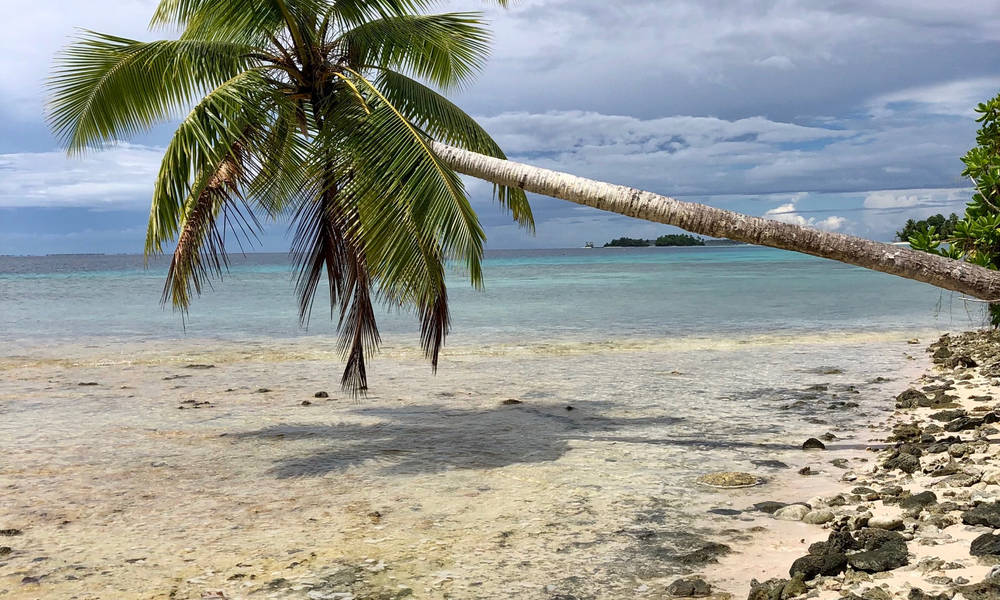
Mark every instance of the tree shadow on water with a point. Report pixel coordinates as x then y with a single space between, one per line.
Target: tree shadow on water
433 438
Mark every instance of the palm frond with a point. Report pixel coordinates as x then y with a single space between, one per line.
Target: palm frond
201 143
394 160
105 88
442 120
446 50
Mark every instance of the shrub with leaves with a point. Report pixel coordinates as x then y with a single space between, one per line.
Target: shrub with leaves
975 238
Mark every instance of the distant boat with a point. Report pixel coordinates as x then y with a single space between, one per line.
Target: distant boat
589 245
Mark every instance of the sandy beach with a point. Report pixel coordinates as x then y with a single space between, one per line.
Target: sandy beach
237 470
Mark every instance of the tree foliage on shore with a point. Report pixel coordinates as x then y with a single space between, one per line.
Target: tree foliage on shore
976 237
322 112
670 239
945 226
679 239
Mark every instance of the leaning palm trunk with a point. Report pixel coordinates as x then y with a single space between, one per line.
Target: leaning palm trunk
698 218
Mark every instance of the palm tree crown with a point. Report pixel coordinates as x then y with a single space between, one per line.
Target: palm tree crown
315 110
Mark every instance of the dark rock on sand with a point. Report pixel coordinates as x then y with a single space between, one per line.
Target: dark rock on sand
911 398
199 366
921 500
813 444
987 589
983 514
321 395
689 587
949 415
986 545
906 432
511 402
5 550
10 532
919 594
839 541
769 506
964 361
814 565
262 390
88 383
306 403
708 553
904 461
726 512
883 551
777 589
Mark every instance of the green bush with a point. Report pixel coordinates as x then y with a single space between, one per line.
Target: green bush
976 237
679 239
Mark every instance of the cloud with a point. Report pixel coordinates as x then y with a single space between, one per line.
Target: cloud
957 98
787 213
120 177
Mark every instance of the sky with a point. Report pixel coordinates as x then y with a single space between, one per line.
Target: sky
846 115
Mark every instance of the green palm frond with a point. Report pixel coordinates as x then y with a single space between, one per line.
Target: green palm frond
442 120
396 157
200 144
446 50
105 88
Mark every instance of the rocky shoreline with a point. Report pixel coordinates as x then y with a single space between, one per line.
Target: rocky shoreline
921 519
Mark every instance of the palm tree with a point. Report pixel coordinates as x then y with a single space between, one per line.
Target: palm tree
946 273
317 110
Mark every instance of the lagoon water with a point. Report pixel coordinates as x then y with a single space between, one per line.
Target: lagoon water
636 371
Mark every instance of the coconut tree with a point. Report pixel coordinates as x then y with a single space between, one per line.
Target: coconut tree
959 276
321 111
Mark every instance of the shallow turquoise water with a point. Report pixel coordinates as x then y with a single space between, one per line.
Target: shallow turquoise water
530 296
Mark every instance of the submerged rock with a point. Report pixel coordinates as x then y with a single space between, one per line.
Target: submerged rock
729 479
813 444
321 395
911 398
769 506
689 587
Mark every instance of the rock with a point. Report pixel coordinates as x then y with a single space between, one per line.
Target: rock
306 403
769 506
983 514
725 512
511 402
828 437
964 423
813 444
875 593
911 398
985 545
5 550
321 395
959 450
10 532
919 594
262 391
838 541
817 517
769 464
840 463
949 415
805 471
887 523
921 500
768 590
941 354
729 479
906 432
902 461
709 553
689 587
794 512
811 566
964 361
988 589
883 551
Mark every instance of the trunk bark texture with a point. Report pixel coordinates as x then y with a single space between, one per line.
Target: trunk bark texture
706 220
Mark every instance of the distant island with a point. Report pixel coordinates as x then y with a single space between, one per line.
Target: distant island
674 239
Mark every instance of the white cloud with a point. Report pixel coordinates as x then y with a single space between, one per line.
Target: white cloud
953 98
788 213
120 177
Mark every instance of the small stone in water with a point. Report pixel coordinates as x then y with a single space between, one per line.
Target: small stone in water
321 395
729 479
